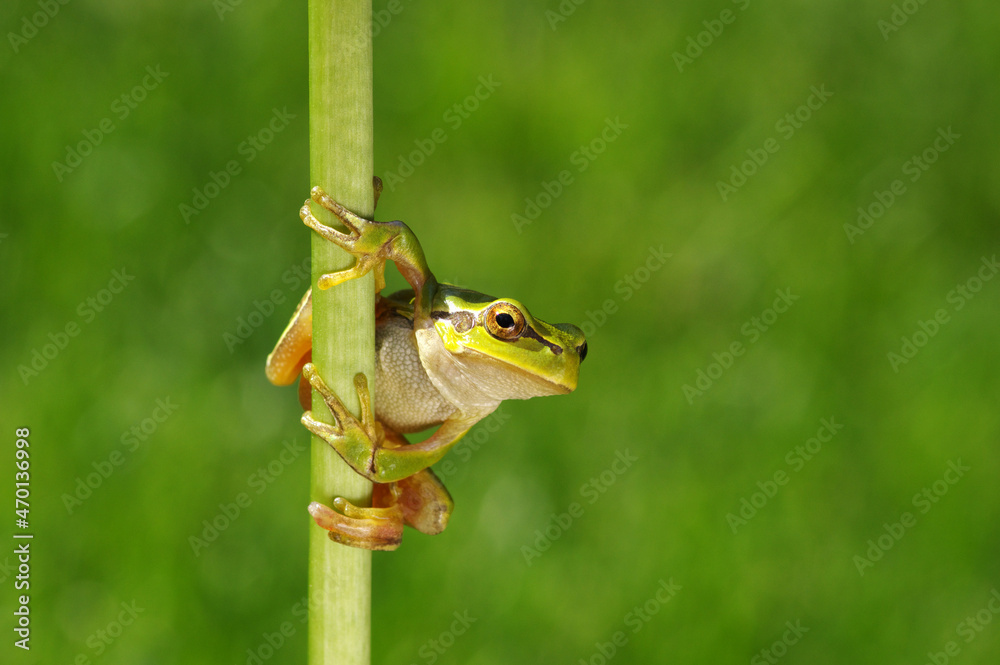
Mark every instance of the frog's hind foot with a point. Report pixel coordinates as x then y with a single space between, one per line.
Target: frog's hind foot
420 501
377 528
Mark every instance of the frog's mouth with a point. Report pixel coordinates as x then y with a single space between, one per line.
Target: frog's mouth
506 381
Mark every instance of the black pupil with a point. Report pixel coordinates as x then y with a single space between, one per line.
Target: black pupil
505 320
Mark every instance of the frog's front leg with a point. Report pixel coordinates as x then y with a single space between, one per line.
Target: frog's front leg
352 438
294 347
362 442
374 243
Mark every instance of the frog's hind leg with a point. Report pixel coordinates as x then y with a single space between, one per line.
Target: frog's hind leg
420 501
305 388
377 528
294 347
423 498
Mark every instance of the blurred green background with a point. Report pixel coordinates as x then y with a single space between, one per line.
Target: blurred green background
201 84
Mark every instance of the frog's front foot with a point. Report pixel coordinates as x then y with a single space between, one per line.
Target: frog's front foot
376 528
355 440
370 242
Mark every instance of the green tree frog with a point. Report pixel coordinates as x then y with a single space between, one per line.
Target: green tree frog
445 356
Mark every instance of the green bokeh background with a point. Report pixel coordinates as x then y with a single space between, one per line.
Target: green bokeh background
665 517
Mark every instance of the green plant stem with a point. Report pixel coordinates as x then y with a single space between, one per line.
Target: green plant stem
341 161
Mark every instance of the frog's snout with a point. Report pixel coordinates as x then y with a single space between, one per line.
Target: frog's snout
574 339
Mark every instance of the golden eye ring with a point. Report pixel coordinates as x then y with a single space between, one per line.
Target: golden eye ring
504 321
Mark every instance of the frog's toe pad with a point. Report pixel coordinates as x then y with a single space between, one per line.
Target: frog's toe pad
367 528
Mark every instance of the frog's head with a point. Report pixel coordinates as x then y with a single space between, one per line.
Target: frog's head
492 349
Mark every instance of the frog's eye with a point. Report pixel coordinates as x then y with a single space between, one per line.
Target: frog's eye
504 321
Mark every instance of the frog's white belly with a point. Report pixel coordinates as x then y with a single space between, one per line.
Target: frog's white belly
405 398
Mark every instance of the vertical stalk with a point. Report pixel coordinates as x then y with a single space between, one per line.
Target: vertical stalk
341 161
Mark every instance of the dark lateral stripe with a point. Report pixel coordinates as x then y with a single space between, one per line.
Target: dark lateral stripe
533 334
